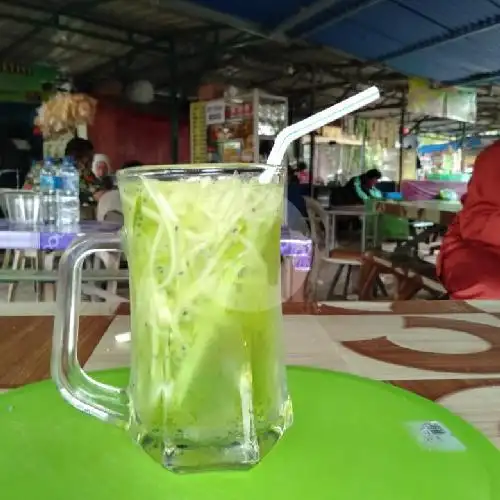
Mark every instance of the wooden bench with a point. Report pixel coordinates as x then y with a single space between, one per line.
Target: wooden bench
411 274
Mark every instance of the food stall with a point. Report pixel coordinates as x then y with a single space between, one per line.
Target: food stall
441 165
441 170
239 126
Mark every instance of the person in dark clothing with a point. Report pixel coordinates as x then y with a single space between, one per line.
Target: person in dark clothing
296 210
130 164
362 188
110 180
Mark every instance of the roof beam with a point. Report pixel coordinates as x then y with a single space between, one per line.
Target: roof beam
451 36
477 79
340 14
129 39
81 6
54 20
190 8
214 50
74 7
303 15
383 78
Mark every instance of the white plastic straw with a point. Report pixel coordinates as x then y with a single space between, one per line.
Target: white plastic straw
318 120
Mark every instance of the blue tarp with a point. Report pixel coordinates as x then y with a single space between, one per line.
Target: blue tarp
469 143
452 41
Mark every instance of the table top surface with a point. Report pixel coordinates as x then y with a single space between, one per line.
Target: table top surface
44 237
445 351
431 181
352 438
439 212
428 189
445 206
431 210
346 210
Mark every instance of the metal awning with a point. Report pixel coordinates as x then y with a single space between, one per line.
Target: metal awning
328 49
453 41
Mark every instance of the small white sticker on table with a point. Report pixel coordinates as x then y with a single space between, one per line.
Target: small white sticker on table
435 436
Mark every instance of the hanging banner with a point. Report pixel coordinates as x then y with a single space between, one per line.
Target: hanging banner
424 100
22 79
452 103
461 104
215 112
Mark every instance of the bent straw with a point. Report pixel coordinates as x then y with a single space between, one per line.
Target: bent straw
318 120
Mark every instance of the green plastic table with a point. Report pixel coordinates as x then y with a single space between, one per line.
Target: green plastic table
353 439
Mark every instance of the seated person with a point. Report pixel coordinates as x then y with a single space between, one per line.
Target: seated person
362 188
82 152
101 166
469 261
302 172
296 209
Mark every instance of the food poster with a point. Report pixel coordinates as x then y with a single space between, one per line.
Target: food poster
232 140
198 132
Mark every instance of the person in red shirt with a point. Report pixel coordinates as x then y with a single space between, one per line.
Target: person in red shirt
302 173
469 261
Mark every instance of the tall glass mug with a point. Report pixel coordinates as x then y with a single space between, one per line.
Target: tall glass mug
207 384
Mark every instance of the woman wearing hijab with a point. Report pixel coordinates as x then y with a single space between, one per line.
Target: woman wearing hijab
469 260
101 166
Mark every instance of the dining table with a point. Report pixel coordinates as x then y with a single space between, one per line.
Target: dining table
389 399
46 237
334 212
415 190
295 247
429 220
41 240
435 211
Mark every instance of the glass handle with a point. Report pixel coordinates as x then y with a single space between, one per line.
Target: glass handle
77 388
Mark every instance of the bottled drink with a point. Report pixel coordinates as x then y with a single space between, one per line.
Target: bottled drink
48 186
69 194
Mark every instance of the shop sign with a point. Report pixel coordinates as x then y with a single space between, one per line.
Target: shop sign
215 112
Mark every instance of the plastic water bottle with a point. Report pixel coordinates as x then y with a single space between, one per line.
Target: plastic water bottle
48 195
68 194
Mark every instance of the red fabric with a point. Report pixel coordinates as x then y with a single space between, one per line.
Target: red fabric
469 260
124 134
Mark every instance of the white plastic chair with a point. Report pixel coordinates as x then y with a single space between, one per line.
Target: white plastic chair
17 260
343 259
109 208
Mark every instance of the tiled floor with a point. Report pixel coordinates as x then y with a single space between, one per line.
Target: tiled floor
446 351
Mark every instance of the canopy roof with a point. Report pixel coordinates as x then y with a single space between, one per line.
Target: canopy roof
331 48
451 41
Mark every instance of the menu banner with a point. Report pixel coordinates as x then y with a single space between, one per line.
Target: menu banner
424 100
461 104
452 103
215 112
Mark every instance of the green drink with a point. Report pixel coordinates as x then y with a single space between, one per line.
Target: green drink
208 386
